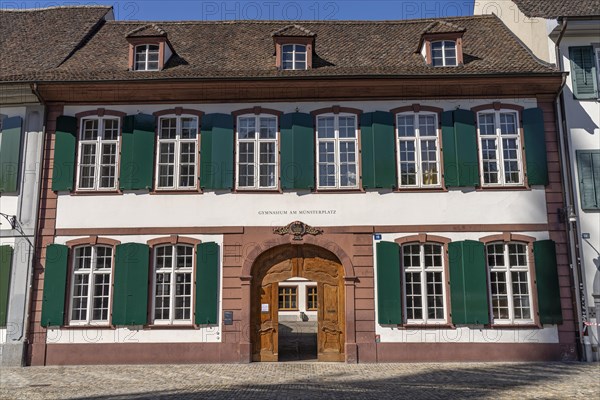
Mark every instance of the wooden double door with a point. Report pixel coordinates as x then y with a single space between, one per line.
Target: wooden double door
304 261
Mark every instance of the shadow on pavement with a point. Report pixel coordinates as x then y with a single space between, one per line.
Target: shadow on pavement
489 381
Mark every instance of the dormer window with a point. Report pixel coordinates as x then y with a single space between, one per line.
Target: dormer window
146 57
443 53
441 44
294 56
149 48
294 46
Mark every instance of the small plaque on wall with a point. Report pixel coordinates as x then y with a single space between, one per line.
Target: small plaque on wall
264 308
227 317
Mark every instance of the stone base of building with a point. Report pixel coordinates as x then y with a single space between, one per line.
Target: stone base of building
192 353
11 354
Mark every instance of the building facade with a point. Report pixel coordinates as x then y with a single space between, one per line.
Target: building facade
405 172
571 31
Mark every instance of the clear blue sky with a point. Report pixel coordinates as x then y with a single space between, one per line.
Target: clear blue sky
269 9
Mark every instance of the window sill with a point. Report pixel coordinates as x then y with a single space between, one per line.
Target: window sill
340 190
88 327
529 325
171 326
254 191
96 193
502 188
443 325
176 191
436 189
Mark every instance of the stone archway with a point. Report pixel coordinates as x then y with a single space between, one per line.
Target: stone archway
305 261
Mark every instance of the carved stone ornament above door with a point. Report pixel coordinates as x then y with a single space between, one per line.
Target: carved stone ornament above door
298 229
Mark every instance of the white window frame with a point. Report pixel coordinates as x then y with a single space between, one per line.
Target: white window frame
295 51
336 140
98 142
511 320
147 56
498 136
173 272
418 139
444 62
177 142
91 273
257 141
422 270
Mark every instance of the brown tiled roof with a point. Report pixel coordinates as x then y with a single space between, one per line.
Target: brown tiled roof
443 27
150 30
244 49
293 30
558 8
41 39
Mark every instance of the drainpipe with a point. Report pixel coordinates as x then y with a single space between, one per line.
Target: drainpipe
572 222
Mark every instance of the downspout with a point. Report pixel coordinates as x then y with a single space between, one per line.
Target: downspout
571 220
26 324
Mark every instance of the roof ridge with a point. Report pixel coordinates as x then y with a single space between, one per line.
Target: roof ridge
299 22
25 10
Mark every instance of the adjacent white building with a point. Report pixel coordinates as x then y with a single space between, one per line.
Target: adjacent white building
568 33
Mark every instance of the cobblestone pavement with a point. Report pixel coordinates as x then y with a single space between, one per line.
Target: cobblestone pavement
306 381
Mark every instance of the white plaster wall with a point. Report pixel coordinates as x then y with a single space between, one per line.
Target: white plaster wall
531 31
583 132
469 334
328 209
9 202
2 336
211 334
301 284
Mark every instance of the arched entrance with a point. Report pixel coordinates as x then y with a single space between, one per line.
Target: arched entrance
305 261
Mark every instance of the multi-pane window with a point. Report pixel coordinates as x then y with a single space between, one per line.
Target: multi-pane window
311 298
418 150
293 56
509 280
257 153
173 282
91 284
98 153
424 282
146 57
443 53
288 298
500 148
177 150
337 147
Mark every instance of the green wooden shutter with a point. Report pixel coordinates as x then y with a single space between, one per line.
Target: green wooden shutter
207 284
130 299
6 253
216 161
55 284
297 151
535 146
449 150
546 276
588 168
459 140
64 153
468 283
389 290
377 150
10 154
466 147
137 152
583 72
